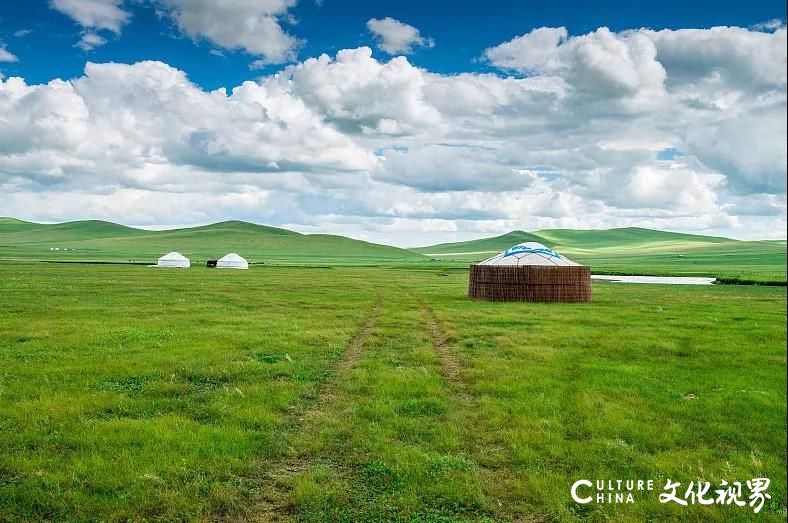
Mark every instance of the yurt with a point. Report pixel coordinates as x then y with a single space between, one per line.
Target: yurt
173 259
530 272
231 261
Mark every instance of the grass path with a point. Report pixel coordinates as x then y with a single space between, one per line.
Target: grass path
272 503
478 446
387 440
449 362
490 477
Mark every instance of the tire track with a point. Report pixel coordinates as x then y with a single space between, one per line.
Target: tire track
468 415
450 364
271 503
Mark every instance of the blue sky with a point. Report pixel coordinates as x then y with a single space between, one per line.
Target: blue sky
423 122
462 30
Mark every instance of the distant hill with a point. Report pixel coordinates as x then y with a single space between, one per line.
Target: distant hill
623 251
104 241
482 246
574 240
637 251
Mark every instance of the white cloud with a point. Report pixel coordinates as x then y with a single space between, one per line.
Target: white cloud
145 125
358 93
604 64
769 25
22 32
672 186
528 52
6 55
388 151
254 26
734 56
437 168
95 14
597 65
90 41
395 37
749 148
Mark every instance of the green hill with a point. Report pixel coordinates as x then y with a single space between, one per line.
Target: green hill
634 250
103 241
476 249
623 251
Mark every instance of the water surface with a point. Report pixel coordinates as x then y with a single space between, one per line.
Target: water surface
669 280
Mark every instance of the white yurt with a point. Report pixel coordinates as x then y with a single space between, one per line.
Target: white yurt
173 259
232 261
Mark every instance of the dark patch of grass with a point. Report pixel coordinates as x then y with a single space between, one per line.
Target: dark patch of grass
207 382
130 385
268 357
736 280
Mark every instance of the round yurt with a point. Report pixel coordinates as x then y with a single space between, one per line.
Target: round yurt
530 272
232 261
173 259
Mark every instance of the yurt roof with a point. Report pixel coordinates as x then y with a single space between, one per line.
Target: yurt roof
528 253
232 257
174 256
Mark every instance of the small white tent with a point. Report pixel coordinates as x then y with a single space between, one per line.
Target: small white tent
232 261
173 259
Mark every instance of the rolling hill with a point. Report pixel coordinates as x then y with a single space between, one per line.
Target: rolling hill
103 241
620 251
634 250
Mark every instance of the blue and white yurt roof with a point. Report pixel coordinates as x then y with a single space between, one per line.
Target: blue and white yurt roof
528 253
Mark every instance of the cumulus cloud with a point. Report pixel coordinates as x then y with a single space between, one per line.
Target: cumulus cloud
528 52
384 150
672 186
731 57
250 25
725 84
360 94
395 37
146 126
599 65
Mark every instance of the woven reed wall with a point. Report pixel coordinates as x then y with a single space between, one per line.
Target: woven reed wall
546 283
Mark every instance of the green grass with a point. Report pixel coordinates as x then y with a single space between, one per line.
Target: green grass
136 393
640 251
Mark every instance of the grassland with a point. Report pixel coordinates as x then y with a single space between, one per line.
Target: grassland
353 394
640 251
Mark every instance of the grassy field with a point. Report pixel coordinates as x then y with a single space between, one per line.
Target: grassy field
357 394
639 251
